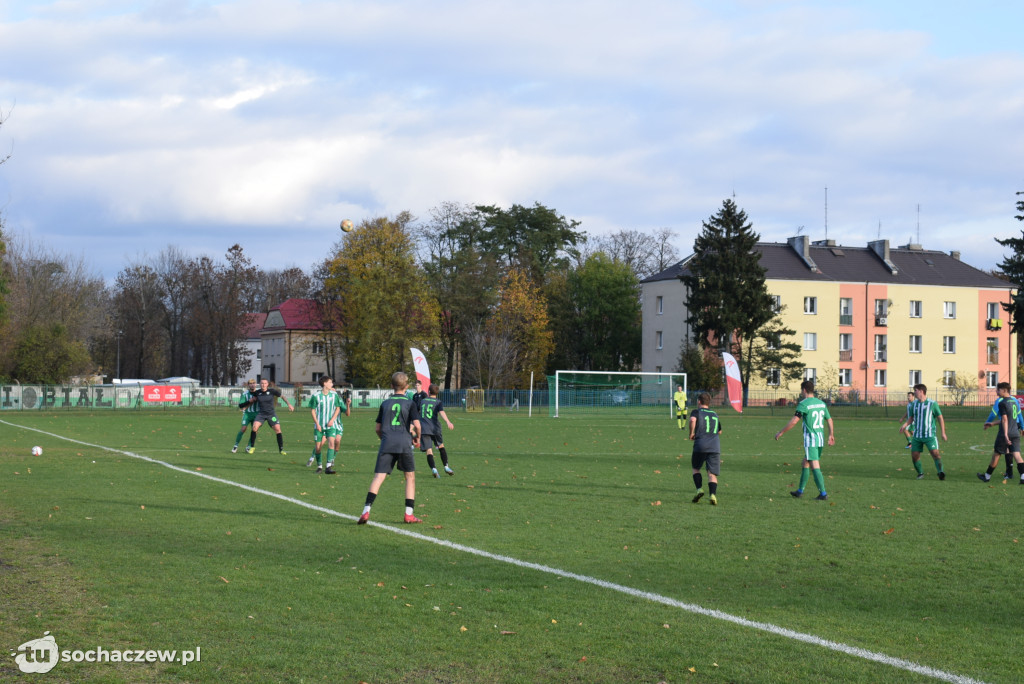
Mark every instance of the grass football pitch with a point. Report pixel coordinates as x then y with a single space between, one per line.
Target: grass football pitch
562 550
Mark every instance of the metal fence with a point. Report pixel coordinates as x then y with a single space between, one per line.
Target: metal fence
887 405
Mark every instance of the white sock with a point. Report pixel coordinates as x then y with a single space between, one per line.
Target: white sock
408 510
366 509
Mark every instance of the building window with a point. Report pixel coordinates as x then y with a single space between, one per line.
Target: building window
915 377
948 378
991 379
845 377
915 309
845 311
773 377
776 303
811 305
949 309
881 344
810 341
810 374
993 309
318 349
259 353
317 376
915 344
659 304
846 346
879 377
881 307
949 344
658 339
992 350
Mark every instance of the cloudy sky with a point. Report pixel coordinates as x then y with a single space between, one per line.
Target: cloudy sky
137 125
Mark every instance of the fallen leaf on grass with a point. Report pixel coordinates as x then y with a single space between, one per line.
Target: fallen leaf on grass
506 633
890 530
223 579
692 669
463 628
655 503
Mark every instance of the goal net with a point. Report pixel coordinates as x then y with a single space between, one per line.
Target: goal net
475 401
613 392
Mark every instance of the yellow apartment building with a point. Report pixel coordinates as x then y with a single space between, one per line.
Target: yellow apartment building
882 319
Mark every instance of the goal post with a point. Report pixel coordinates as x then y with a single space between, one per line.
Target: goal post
613 392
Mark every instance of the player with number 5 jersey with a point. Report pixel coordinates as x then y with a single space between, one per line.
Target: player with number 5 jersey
814 415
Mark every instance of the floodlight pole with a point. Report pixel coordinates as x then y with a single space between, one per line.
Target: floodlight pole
119 333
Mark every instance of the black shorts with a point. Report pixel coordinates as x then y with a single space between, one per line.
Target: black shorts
267 418
1003 447
428 441
710 459
387 462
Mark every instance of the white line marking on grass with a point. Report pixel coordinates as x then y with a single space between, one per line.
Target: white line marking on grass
898 663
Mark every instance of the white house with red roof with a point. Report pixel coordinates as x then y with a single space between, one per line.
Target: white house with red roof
292 347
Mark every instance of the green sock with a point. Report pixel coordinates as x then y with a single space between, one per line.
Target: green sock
938 465
238 437
330 456
317 454
819 479
804 474
919 467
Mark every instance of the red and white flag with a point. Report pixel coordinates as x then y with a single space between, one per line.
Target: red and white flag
419 362
732 381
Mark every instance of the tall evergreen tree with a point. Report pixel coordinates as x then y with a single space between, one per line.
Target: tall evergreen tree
1013 268
727 300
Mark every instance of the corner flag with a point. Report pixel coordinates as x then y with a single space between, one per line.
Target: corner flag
419 362
732 381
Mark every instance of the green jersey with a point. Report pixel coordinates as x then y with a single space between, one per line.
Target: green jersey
254 408
923 414
814 414
324 406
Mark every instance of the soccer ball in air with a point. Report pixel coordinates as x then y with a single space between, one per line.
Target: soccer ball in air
346 225
37 451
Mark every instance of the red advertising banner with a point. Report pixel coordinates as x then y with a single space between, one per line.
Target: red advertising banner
153 393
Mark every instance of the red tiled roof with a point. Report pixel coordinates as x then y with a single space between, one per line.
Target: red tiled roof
298 314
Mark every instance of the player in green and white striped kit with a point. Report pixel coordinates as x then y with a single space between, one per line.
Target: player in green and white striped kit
249 412
326 409
923 414
814 414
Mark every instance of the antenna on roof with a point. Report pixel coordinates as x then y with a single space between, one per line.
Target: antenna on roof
826 212
918 223
879 236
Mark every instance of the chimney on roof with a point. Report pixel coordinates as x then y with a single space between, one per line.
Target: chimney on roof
801 244
912 246
824 243
955 254
881 248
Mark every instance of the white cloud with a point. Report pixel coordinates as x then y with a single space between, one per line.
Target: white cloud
219 117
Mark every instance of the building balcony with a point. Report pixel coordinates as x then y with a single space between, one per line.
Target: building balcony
845 319
846 355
